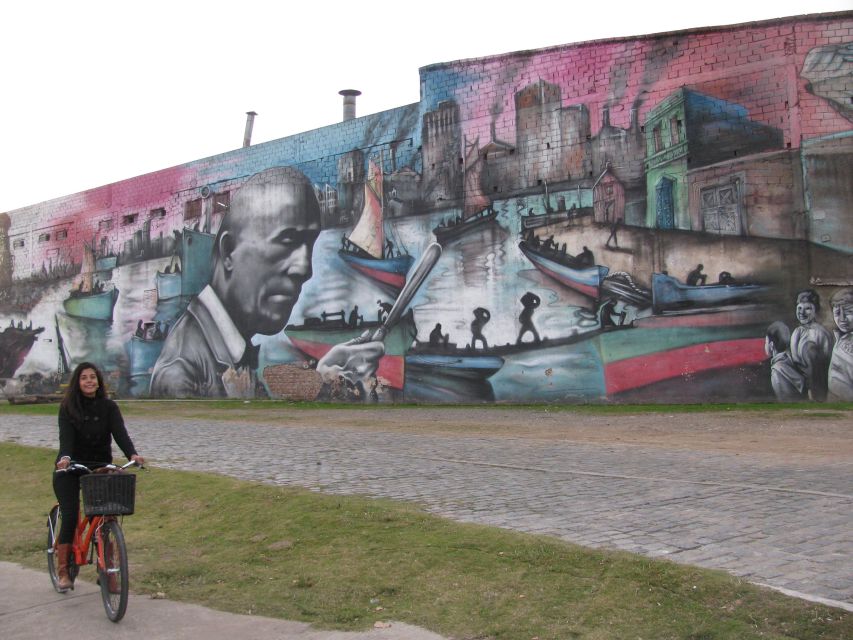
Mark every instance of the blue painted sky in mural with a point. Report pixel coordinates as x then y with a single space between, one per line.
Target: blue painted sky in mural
101 92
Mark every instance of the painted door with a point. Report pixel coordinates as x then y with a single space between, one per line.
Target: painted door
664 204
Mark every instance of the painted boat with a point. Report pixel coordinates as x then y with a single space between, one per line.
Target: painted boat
15 344
447 232
196 262
452 362
661 348
168 285
586 280
88 299
535 220
477 210
142 354
390 272
105 263
669 294
92 306
365 249
316 336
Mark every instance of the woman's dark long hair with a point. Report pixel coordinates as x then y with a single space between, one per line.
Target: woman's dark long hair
72 403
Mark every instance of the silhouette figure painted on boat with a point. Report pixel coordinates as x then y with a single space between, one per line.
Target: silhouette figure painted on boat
437 338
696 277
530 301
481 318
586 258
384 310
354 319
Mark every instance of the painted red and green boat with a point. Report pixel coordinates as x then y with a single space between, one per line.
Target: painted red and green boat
316 336
665 347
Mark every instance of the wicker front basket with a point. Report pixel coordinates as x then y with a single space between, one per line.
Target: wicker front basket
108 494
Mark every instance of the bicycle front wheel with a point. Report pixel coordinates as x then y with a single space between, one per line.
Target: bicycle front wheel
113 573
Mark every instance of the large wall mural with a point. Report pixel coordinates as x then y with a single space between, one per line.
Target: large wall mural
654 219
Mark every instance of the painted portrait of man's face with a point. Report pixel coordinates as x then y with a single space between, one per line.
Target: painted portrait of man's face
806 312
275 227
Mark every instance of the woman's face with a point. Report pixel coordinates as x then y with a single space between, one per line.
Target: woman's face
88 382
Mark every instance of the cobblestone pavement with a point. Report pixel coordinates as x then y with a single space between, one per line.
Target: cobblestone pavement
788 525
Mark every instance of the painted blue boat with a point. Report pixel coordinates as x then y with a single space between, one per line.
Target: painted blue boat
454 363
143 354
669 294
196 260
586 280
105 263
168 285
92 306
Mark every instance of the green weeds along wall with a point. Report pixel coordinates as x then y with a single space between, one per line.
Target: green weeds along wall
652 219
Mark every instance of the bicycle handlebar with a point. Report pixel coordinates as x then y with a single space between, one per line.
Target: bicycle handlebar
76 466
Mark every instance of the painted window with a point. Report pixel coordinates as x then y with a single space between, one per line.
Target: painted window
18 244
44 237
62 234
157 213
674 131
105 225
658 139
129 219
221 202
192 209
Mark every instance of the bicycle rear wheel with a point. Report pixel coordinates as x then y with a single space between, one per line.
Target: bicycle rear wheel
54 523
113 574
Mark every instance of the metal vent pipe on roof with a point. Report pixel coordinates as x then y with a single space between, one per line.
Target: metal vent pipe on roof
349 102
250 122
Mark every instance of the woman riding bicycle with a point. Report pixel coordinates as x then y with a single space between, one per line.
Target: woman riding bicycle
88 423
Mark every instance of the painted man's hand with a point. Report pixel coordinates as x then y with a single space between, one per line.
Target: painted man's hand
355 361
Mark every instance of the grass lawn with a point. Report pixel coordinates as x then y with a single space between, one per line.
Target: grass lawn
347 562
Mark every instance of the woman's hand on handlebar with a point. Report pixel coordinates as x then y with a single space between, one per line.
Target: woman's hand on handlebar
139 460
63 463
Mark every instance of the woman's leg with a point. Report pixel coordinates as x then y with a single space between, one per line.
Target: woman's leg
66 486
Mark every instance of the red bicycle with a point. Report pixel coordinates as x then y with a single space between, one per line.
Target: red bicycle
106 498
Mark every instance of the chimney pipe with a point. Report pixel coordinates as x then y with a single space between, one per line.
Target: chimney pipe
349 102
250 122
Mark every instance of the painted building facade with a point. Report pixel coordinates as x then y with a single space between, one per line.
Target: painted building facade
620 220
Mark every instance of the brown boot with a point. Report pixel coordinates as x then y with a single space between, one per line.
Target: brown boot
65 583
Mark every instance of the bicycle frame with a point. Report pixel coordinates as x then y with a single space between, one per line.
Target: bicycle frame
84 534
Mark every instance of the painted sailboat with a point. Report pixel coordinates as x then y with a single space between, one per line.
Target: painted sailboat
316 336
90 299
477 209
366 249
566 269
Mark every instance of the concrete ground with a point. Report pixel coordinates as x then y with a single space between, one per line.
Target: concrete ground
31 610
765 497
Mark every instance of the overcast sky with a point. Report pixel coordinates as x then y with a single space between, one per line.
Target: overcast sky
94 92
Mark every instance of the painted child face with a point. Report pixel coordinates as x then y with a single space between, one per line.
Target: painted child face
805 312
843 315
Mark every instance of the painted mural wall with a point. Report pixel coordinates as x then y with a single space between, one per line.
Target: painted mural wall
652 219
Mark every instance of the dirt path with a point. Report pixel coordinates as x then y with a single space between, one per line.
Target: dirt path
808 432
